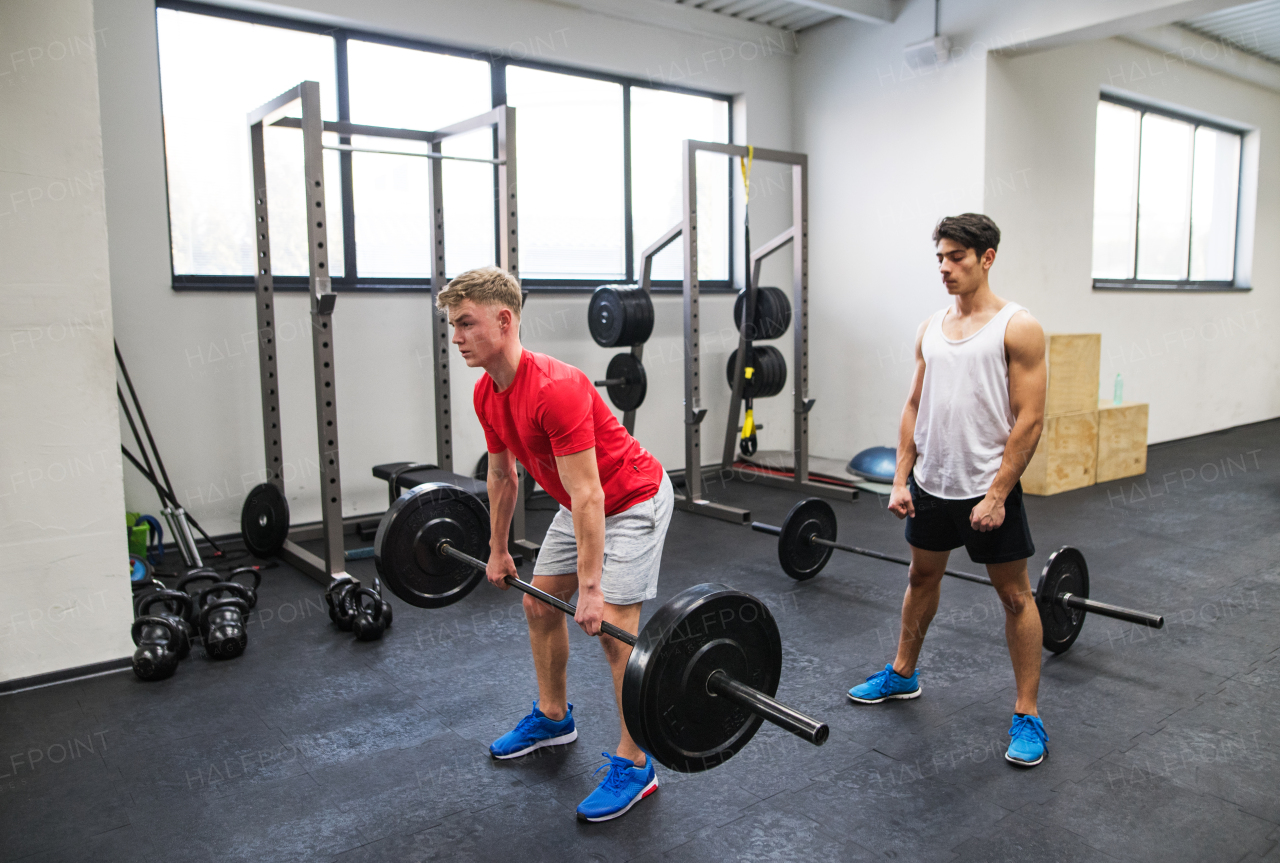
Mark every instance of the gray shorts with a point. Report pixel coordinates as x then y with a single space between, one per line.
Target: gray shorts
632 548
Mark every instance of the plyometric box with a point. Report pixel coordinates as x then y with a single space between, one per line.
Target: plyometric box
1074 361
1122 440
1067 457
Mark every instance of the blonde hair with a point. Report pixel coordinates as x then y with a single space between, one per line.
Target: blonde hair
486 286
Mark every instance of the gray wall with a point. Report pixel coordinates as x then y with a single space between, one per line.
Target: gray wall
63 563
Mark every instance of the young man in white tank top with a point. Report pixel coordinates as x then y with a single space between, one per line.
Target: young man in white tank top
969 427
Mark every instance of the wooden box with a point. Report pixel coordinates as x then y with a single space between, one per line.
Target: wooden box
1073 365
1067 457
1122 440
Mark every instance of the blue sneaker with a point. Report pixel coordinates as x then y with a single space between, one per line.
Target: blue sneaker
886 684
622 787
534 732
1027 747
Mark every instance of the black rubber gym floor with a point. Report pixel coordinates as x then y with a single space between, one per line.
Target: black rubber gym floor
312 746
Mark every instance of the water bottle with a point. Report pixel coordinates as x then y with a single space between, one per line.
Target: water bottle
1118 397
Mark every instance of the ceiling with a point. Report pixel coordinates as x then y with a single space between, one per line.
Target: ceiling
1254 27
782 14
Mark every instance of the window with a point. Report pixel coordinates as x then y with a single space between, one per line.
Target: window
598 159
571 175
207 142
660 120
1165 201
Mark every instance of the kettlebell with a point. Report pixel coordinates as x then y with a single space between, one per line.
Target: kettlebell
252 598
341 603
176 610
156 657
222 628
195 576
369 621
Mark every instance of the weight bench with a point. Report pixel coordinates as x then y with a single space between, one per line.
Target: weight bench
400 476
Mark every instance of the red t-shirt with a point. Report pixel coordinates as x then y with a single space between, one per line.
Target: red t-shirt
552 409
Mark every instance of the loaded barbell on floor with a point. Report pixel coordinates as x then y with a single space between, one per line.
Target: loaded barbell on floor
704 669
625 382
808 536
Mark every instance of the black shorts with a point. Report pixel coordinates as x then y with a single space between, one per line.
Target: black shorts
942 525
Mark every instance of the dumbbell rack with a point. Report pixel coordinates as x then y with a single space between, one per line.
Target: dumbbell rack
798 234
502 119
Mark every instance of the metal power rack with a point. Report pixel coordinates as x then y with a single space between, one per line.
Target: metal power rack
798 233
320 286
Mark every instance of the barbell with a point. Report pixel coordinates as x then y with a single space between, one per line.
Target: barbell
808 536
702 672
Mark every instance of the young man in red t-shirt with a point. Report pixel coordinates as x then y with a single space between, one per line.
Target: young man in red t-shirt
605 543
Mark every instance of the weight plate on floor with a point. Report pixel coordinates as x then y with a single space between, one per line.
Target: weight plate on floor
630 395
1064 572
405 549
620 316
665 701
264 520
772 317
800 558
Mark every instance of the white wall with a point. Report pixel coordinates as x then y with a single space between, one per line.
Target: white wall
1203 361
192 353
63 562
892 150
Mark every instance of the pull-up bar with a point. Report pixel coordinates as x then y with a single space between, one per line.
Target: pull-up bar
347 148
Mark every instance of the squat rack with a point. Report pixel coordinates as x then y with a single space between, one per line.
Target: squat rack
320 287
796 235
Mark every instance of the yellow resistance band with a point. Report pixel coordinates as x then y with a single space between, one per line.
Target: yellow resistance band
745 165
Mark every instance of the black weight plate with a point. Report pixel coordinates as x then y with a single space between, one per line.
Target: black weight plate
665 701
606 316
630 395
1064 572
404 549
772 317
264 520
639 316
800 558
619 316
769 374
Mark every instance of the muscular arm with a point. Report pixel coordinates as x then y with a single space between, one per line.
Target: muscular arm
504 490
1024 344
900 499
581 479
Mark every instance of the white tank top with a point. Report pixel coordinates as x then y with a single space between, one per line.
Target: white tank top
964 418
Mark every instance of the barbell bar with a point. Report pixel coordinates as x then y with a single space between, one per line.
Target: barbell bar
718 681
702 672
807 537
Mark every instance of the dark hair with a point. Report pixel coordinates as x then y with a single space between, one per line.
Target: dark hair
971 230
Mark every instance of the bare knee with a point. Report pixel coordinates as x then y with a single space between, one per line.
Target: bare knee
924 578
539 614
1015 601
615 651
